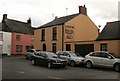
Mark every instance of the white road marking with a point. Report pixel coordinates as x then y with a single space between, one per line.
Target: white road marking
50 77
21 72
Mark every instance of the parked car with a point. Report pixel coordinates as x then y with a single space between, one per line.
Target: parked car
48 59
72 58
102 58
30 53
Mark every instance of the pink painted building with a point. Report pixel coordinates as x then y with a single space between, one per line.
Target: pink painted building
22 34
21 42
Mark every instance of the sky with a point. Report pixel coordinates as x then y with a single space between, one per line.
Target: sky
43 11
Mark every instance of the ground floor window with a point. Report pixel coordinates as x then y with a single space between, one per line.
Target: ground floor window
68 47
103 47
18 48
54 47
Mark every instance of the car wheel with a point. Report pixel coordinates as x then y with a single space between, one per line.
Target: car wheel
72 63
88 64
49 65
117 67
33 62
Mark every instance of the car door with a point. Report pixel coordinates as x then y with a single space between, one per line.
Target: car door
38 58
96 59
44 58
106 60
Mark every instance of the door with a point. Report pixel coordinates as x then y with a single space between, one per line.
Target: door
68 47
84 49
44 47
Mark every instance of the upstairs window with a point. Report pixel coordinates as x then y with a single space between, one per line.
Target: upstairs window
1 36
18 37
43 35
103 47
54 33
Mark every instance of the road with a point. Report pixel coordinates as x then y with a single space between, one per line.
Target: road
16 67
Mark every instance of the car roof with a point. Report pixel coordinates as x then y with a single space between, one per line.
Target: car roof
100 51
65 51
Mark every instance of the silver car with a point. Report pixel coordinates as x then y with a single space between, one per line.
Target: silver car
102 58
30 53
71 57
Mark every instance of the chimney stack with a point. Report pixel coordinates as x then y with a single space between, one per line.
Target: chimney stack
29 21
4 17
82 10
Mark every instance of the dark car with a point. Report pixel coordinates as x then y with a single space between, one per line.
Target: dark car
48 59
30 53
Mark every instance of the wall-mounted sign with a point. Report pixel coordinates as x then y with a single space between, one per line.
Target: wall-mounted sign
69 32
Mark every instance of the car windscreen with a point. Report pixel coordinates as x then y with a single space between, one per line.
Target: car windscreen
114 55
51 55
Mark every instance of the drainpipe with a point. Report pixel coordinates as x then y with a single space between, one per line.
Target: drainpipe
62 37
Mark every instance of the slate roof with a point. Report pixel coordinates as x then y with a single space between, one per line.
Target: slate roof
110 32
17 26
58 21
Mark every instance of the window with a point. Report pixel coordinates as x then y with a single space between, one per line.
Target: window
54 47
103 47
54 33
43 35
1 36
104 55
18 48
18 37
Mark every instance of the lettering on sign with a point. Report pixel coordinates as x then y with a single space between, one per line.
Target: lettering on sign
69 32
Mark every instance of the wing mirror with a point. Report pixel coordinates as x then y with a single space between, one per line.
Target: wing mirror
109 57
68 56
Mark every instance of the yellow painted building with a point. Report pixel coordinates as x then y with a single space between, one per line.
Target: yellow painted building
74 32
109 39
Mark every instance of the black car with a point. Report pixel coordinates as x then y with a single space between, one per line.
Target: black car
48 59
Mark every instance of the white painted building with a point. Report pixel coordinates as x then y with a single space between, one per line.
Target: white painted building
5 42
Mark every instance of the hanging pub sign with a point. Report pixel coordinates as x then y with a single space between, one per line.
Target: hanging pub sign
69 32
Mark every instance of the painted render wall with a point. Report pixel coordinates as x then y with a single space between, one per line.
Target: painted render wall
6 43
113 46
38 44
25 40
85 29
37 39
